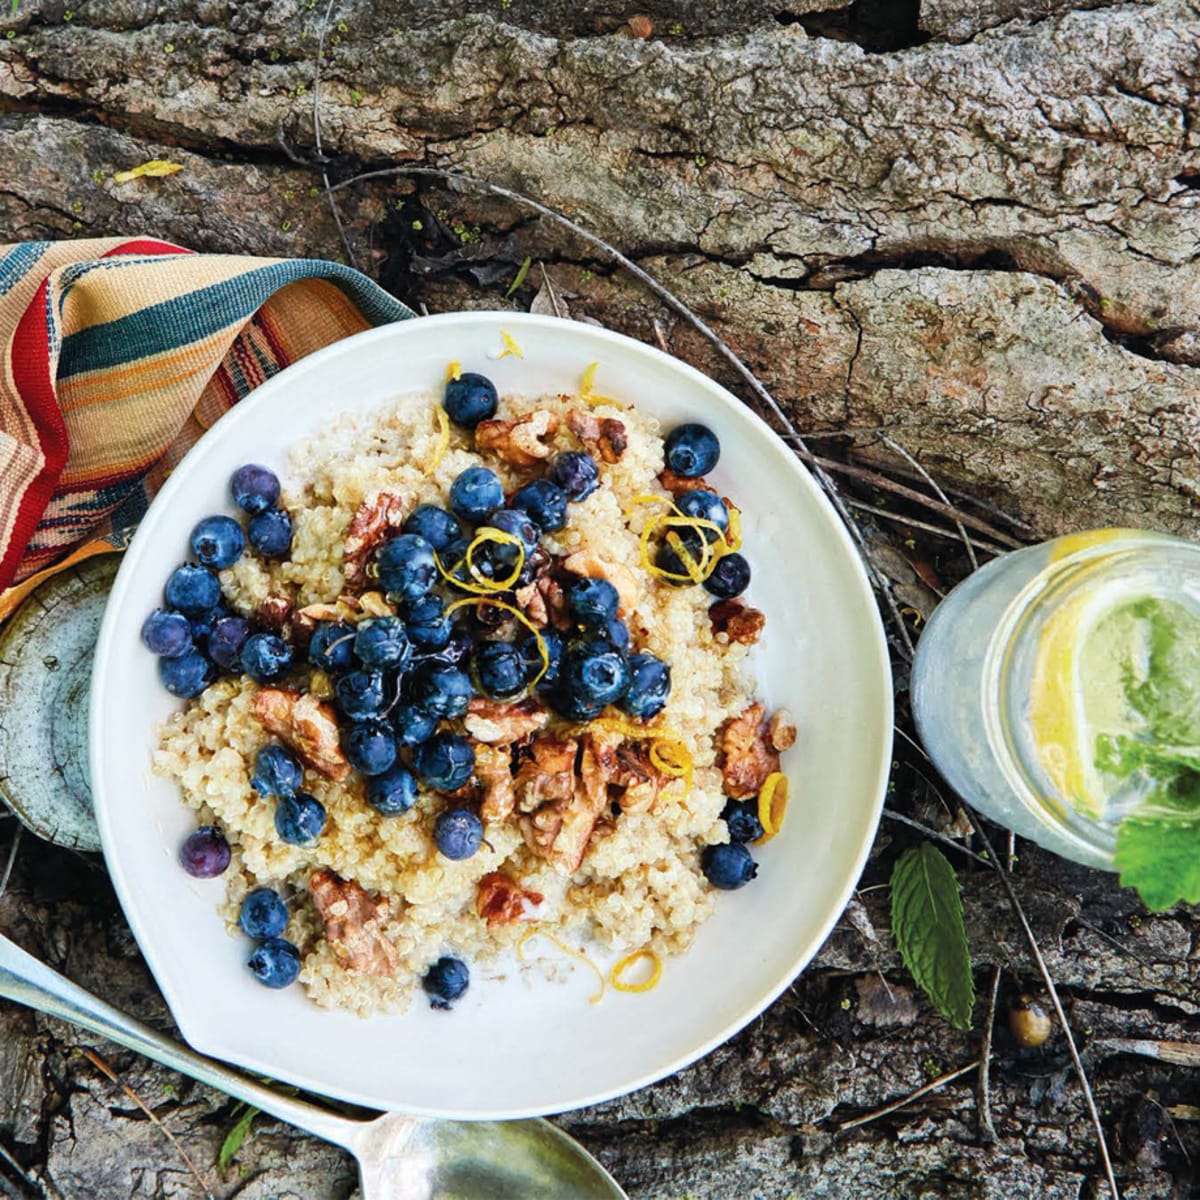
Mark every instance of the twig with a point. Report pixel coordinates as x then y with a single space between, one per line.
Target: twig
1044 971
20 1170
1115 943
550 290
932 1086
896 448
889 515
102 1066
6 875
318 149
669 298
1181 1054
928 831
987 1128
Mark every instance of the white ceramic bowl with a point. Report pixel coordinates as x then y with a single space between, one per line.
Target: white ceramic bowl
517 1045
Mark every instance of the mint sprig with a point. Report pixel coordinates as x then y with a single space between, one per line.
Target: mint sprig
1160 857
927 925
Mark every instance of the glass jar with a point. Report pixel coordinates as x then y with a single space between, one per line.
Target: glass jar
974 673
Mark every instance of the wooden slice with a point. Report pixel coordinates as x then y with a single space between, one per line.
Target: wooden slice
46 654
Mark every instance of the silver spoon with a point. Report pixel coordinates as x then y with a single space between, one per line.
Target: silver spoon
399 1157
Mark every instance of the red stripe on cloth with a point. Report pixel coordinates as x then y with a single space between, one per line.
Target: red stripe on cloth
35 386
145 246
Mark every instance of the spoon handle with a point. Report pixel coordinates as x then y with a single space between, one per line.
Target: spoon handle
27 981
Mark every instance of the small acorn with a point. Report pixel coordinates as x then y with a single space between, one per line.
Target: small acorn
1030 1023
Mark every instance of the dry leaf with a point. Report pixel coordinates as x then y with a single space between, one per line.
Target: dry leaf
156 168
544 303
641 27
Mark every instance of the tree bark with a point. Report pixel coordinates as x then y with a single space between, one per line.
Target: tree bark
977 234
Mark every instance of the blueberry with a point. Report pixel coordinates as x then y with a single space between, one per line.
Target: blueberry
572 706
167 634
393 791
265 656
264 914
428 627
545 502
203 625
705 506
617 632
406 566
499 670
476 494
458 833
741 819
520 525
668 559
188 675
206 853
454 554
275 963
649 687
470 399
453 654
360 694
576 474
218 542
445 762
413 724
446 980
226 640
438 527
193 590
730 577
369 746
277 772
254 488
299 819
692 450
729 866
594 672
554 643
443 691
382 642
592 601
331 647
270 533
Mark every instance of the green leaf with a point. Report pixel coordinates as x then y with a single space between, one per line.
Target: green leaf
927 925
1161 858
519 278
1120 755
235 1138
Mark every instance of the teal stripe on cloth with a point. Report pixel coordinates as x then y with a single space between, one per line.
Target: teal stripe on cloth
196 315
18 262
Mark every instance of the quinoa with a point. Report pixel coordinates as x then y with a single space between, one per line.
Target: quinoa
640 882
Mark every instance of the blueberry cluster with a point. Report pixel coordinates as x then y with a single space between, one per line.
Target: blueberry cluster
275 962
195 636
732 866
692 451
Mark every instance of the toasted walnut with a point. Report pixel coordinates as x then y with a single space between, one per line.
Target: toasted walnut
355 922
781 730
545 603
604 437
500 723
521 441
502 900
677 484
548 774
372 604
376 519
592 566
749 754
306 725
738 621
305 619
274 611
493 770
637 777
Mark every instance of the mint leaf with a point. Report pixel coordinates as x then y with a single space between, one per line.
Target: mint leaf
1160 856
234 1139
1119 754
927 925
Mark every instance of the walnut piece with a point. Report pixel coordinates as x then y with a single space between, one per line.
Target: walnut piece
544 602
781 730
637 777
592 566
502 900
548 774
604 437
750 748
521 441
499 723
738 621
274 611
306 725
677 484
376 519
354 924
493 770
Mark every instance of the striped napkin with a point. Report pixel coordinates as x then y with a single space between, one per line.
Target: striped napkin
117 355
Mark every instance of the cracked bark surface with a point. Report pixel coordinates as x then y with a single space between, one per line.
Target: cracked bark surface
986 244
